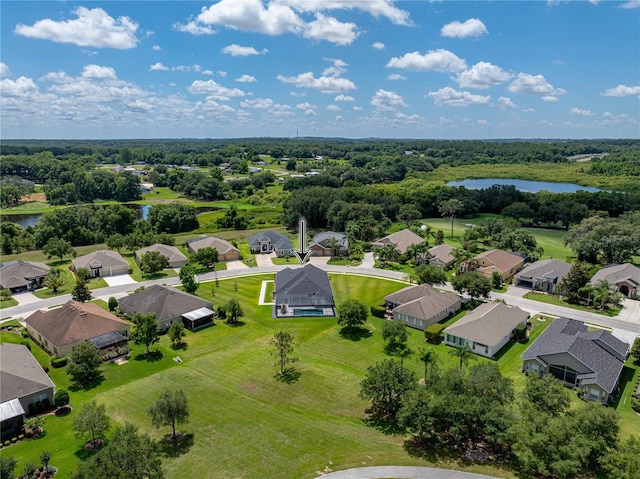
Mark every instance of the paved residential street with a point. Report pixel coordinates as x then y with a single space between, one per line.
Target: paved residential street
626 325
402 472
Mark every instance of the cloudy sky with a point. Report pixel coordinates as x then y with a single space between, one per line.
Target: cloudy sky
335 68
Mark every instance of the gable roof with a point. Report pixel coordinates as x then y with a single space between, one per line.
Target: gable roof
402 239
617 273
219 244
16 274
103 258
489 323
170 252
164 301
443 252
74 322
422 301
599 351
545 268
278 240
303 286
323 238
20 373
502 260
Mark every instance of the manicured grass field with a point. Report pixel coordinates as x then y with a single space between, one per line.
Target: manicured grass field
7 303
244 422
551 299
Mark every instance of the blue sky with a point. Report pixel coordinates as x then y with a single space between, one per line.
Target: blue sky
332 68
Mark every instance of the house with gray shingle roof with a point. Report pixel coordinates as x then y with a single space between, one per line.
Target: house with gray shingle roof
20 276
24 383
303 291
267 241
441 255
625 277
174 256
591 360
543 275
102 263
486 329
402 240
226 251
421 306
170 305
322 244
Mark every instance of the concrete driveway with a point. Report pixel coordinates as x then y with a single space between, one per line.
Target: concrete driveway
402 472
233 265
368 261
265 259
119 280
26 298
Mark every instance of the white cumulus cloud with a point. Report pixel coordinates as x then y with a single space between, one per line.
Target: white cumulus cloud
622 90
448 96
471 28
92 28
435 60
20 88
344 98
505 102
240 51
378 46
377 8
214 90
98 72
535 85
246 79
4 69
156 48
330 29
396 76
581 112
332 107
482 75
326 84
387 100
158 67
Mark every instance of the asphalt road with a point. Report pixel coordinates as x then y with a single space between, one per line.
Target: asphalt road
628 324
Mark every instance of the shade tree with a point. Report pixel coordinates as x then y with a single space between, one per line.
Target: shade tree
85 363
92 422
352 314
171 408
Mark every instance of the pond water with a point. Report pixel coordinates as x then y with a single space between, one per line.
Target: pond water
522 185
142 213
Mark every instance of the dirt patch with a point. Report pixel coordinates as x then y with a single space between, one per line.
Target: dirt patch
34 197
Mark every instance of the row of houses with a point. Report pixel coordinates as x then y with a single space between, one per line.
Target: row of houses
567 349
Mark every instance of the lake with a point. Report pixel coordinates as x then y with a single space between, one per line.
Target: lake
522 185
142 212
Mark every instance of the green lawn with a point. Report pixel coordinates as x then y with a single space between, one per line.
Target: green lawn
7 303
244 422
551 299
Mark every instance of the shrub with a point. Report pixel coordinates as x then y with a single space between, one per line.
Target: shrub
635 405
14 439
46 404
61 398
7 442
378 311
221 313
20 437
39 406
25 333
28 469
580 393
433 333
521 332
58 362
113 303
27 344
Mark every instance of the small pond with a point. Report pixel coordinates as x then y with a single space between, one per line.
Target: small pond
522 185
142 213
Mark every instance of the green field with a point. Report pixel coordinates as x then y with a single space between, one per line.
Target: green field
244 422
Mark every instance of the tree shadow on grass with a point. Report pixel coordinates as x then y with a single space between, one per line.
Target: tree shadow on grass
170 448
83 453
355 334
151 356
430 450
235 324
181 346
97 381
289 376
385 425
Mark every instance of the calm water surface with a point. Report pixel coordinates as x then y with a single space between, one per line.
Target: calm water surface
522 185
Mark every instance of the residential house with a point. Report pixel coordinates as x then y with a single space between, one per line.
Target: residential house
486 329
591 360
26 387
625 277
270 241
441 255
170 305
20 276
304 291
504 262
402 240
421 306
226 251
543 275
58 330
174 256
102 263
329 243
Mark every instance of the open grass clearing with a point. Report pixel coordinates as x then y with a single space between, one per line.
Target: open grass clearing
555 300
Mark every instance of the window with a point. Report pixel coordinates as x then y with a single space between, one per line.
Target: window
564 373
594 394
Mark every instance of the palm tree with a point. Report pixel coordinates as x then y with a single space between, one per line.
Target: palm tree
589 289
463 353
427 356
334 245
405 352
605 293
53 280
